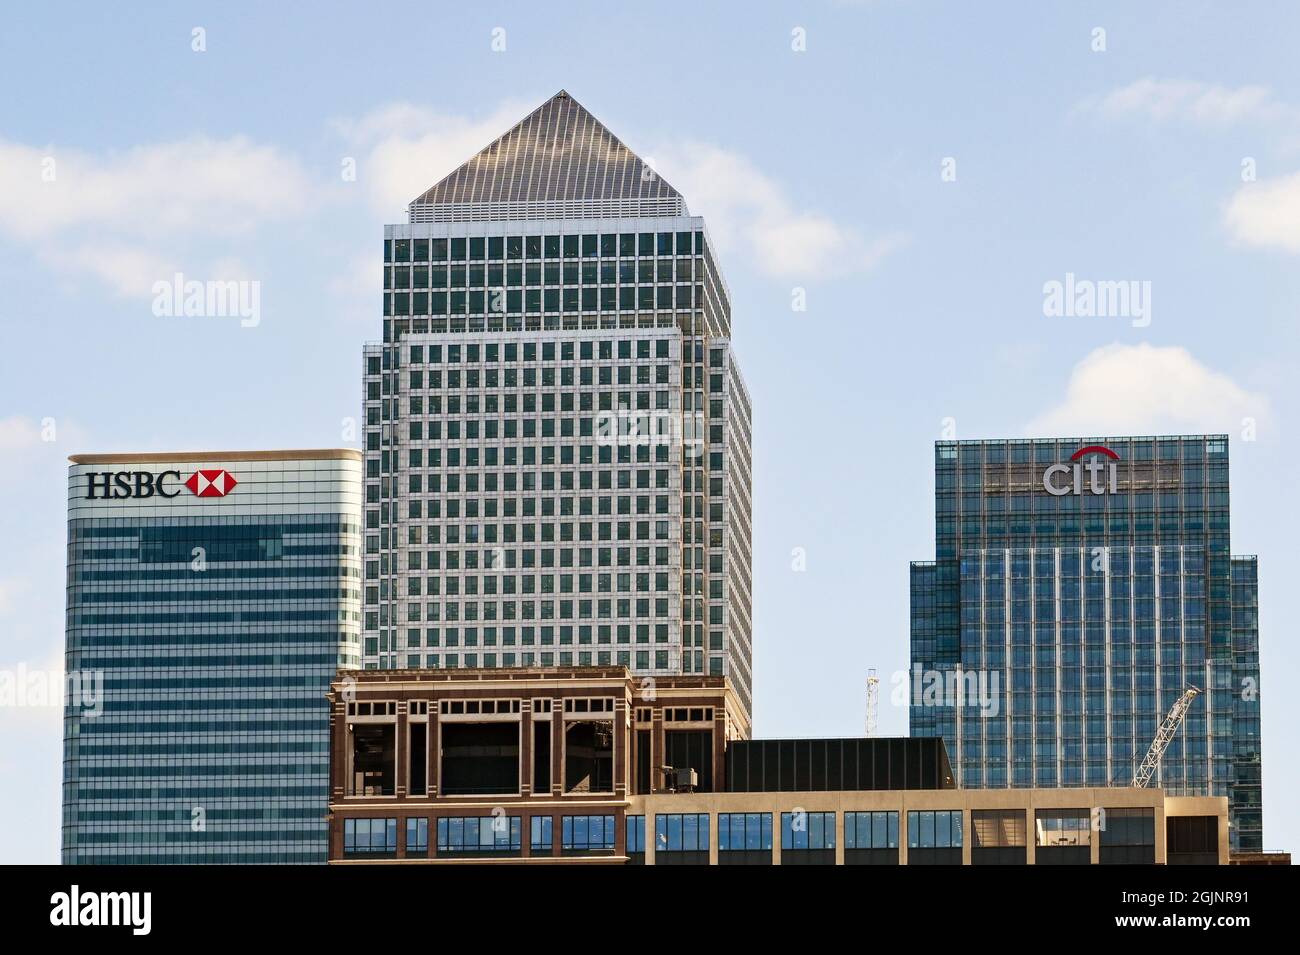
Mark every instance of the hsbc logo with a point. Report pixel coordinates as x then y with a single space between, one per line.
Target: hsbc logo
211 483
1103 474
118 485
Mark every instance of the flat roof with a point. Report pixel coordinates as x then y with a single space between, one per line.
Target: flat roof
164 457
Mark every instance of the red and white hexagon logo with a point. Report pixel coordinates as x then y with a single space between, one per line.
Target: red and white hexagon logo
214 483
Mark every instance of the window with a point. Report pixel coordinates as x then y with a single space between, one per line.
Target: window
478 835
417 837
934 837
934 830
1192 840
998 828
1062 827
1128 836
587 833
745 838
542 836
1062 837
370 837
681 838
635 834
999 837
871 830
807 830
744 830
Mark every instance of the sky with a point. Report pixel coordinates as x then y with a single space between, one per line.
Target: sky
893 187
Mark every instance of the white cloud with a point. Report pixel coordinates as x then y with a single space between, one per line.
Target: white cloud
18 433
129 270
1193 101
1144 389
28 445
407 149
1267 213
32 693
361 275
745 207
227 186
124 218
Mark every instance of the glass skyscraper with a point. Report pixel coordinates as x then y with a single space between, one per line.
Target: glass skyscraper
1079 585
211 599
557 437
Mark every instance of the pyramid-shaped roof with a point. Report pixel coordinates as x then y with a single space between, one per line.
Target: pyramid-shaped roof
559 161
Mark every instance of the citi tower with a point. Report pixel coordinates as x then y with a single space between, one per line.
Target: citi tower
1091 581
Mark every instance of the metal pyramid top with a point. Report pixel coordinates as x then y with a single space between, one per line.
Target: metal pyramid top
558 162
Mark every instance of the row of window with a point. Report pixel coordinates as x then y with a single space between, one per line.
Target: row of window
586 376
533 610
402 329
1143 609
490 353
537 301
638 660
541 636
1088 566
497 247
1193 506
752 832
492 277
544 636
477 835
388 461
549 584
1050 451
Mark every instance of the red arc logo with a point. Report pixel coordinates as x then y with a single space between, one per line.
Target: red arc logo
1094 449
214 483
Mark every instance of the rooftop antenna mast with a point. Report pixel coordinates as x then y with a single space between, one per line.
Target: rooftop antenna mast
873 700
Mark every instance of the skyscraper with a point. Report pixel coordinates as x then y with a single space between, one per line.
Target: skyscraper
557 434
212 597
1079 584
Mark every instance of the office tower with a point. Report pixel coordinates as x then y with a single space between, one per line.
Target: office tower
212 598
557 434
1083 583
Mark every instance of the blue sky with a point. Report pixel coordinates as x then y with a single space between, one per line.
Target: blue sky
1170 157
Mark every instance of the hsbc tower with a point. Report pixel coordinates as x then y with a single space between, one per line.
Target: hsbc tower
211 598
1079 586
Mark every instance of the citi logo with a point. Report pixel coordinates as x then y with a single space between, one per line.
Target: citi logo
1103 475
117 485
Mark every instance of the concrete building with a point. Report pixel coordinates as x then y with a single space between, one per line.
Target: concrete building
212 597
594 766
557 434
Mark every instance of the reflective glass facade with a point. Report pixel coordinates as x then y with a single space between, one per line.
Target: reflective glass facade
1079 586
214 624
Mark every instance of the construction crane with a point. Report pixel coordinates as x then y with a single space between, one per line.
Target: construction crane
1164 736
873 695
